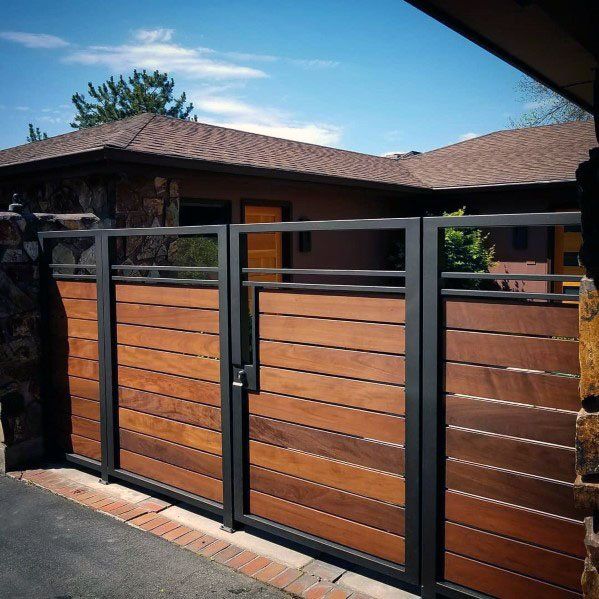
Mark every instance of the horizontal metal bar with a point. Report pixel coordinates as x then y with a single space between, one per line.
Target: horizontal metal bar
74 233
540 219
71 265
166 268
167 280
83 461
163 231
318 287
152 485
517 295
325 225
454 591
510 276
70 277
326 272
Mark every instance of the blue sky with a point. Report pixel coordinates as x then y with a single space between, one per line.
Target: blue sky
374 77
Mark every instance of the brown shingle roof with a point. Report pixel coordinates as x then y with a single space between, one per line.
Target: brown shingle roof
531 155
167 136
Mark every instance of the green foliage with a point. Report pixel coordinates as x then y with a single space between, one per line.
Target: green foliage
467 250
545 107
35 134
194 251
117 99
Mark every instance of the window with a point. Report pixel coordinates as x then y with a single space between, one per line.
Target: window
204 212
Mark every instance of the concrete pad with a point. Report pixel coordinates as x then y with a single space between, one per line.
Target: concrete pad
243 539
374 588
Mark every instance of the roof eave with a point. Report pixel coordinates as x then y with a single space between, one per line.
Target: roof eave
505 186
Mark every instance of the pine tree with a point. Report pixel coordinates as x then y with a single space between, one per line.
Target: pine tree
121 98
35 134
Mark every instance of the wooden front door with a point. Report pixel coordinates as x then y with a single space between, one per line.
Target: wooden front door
265 250
567 245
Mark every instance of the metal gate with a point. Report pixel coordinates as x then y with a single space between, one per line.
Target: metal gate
289 399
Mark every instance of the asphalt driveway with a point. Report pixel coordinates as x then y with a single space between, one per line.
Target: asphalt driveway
52 548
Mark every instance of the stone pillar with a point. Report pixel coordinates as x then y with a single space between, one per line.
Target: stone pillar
586 488
21 429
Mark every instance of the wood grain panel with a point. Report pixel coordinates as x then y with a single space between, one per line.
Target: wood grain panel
168 340
350 421
508 385
516 351
333 528
336 390
85 388
533 527
535 493
326 499
170 430
525 422
499 583
169 362
382 368
164 295
512 317
76 289
168 317
543 564
85 408
81 348
87 369
180 478
388 458
384 338
78 308
328 305
170 407
347 477
84 427
74 327
177 455
503 452
85 447
168 384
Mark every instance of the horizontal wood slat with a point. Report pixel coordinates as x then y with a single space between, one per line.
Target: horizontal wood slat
533 353
184 342
73 327
508 385
83 427
503 452
524 422
333 528
170 407
347 477
85 447
548 531
326 499
171 385
350 421
169 362
170 430
543 564
78 348
85 408
384 338
335 390
388 458
499 583
168 317
167 295
85 388
87 369
382 368
177 455
328 305
76 308
76 289
512 317
535 493
174 476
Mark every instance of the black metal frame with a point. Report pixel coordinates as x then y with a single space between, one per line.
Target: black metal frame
246 367
433 425
103 239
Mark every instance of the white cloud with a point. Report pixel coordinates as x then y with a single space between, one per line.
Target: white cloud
467 136
234 113
151 36
393 153
34 40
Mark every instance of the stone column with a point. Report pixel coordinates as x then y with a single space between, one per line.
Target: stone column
586 488
21 428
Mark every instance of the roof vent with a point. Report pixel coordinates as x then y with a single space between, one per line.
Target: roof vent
401 155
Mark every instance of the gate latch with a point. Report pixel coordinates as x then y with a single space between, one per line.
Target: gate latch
241 378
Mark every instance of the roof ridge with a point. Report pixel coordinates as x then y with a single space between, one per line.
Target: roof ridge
114 141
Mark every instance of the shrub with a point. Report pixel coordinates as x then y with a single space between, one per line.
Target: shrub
194 251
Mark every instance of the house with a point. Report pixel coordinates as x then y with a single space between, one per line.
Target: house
151 170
